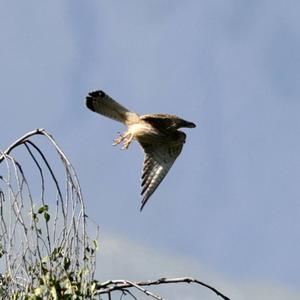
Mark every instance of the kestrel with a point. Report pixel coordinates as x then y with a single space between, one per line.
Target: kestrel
158 135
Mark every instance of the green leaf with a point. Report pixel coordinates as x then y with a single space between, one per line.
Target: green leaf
46 216
67 263
38 291
96 245
35 217
43 209
93 287
2 251
53 293
56 253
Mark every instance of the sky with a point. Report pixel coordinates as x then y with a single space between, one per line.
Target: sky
229 210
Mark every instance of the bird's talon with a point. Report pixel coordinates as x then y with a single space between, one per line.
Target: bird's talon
126 144
118 140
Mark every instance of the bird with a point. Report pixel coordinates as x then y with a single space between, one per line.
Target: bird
157 134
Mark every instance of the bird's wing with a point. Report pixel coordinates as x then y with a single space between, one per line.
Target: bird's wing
165 122
158 160
161 121
100 102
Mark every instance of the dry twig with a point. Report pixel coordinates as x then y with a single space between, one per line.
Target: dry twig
114 285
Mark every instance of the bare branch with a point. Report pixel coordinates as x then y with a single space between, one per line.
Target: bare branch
20 141
125 292
113 285
148 293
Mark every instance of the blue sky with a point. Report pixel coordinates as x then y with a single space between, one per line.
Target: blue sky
231 202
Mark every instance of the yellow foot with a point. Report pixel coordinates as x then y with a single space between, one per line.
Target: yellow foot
119 139
127 138
127 142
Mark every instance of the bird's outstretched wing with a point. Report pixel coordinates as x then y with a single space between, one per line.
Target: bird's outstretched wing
100 102
158 160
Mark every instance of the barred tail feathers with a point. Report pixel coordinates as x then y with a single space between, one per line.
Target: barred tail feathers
100 102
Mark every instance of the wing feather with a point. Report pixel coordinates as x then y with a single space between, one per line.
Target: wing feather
158 160
161 121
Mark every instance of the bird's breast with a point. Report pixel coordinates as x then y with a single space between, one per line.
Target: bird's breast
142 129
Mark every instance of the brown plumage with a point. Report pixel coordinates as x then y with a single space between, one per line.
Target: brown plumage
158 135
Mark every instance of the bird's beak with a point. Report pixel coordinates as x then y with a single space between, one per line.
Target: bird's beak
188 124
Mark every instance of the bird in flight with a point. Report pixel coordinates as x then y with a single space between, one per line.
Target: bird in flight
158 135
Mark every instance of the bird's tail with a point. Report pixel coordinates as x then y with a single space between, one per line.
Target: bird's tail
103 104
